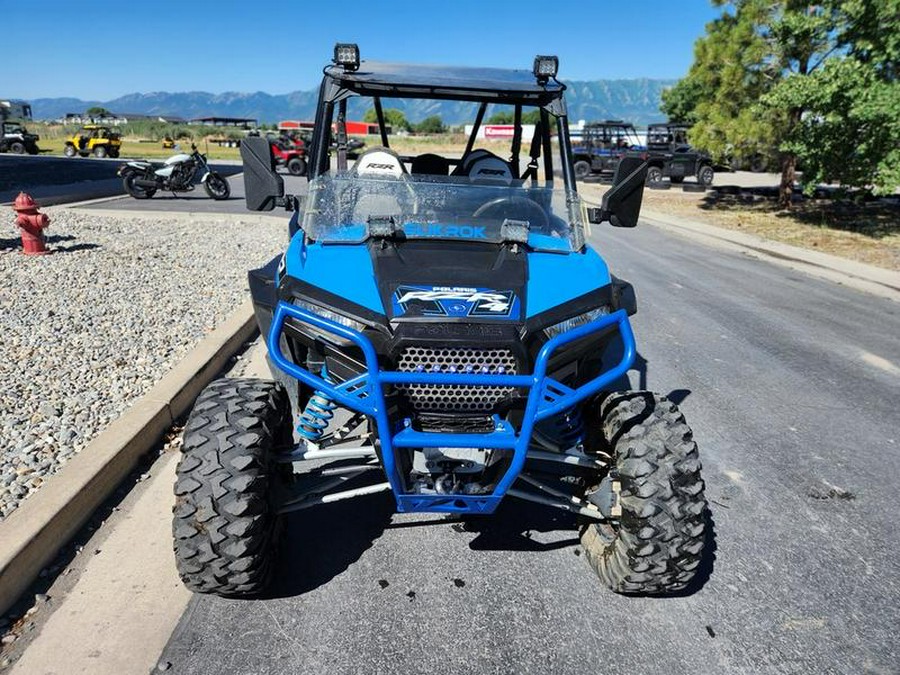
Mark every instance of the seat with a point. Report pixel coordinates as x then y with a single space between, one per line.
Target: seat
484 165
490 169
379 162
430 164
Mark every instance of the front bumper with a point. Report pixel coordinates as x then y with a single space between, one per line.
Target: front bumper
365 394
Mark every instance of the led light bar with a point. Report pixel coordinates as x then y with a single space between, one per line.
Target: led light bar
346 54
545 67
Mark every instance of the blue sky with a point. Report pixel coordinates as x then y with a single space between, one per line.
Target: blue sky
100 49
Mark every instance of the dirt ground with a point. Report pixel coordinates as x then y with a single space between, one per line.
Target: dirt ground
868 232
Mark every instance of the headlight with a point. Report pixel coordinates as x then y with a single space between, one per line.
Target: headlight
330 315
575 321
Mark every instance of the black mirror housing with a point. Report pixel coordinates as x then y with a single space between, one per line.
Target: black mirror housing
621 204
623 200
263 187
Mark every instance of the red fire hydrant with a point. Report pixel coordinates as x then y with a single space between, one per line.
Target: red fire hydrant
32 224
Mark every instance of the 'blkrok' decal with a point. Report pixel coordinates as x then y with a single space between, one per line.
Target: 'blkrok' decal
455 302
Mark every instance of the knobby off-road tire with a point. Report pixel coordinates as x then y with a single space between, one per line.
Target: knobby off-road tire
223 519
657 545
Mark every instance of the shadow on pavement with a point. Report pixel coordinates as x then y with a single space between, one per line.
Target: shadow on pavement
320 543
513 525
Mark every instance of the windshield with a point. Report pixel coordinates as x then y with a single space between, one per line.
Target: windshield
349 208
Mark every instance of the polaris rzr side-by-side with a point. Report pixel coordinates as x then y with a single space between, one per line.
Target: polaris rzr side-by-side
439 328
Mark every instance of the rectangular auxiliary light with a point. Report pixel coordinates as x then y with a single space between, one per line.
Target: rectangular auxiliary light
545 67
346 54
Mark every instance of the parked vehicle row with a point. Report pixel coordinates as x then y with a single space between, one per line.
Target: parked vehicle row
666 151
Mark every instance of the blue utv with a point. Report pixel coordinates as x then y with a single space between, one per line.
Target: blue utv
439 328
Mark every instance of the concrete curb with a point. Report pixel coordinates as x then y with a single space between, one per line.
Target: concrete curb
875 280
33 533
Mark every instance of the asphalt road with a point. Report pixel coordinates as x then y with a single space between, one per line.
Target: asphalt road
48 176
197 201
791 386
24 172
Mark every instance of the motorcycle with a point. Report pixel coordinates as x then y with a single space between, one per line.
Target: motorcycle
178 173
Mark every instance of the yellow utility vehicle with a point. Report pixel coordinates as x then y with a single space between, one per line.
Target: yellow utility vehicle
93 139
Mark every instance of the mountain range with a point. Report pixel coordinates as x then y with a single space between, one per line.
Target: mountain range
634 100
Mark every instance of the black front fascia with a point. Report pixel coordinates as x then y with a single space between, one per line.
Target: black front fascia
571 308
291 288
448 263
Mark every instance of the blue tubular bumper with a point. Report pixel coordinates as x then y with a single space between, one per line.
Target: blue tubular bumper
365 394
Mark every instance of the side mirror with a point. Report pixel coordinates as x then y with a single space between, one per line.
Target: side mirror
263 187
621 204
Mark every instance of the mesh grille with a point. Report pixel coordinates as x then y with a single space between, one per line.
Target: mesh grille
457 360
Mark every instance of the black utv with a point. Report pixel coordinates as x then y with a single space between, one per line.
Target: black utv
669 155
16 139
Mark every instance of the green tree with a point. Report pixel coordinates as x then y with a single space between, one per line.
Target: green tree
809 82
848 130
508 117
430 125
501 117
392 116
97 111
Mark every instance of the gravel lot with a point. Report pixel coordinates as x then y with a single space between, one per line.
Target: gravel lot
91 328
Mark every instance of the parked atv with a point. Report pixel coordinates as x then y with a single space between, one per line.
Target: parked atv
16 139
441 330
179 173
95 140
289 155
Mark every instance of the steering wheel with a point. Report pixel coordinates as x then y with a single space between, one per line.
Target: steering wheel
515 208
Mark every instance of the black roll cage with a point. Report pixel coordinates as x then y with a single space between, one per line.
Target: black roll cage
338 86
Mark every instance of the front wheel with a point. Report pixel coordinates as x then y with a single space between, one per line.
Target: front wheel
217 187
100 151
655 546
17 148
582 169
224 515
706 175
134 190
296 167
654 175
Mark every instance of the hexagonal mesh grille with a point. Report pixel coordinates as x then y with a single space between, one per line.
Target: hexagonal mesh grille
449 398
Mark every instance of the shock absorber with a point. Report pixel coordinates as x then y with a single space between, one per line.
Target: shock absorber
317 414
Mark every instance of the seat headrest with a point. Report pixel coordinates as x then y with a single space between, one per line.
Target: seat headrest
492 169
379 162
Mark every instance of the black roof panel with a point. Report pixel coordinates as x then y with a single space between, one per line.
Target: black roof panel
429 80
